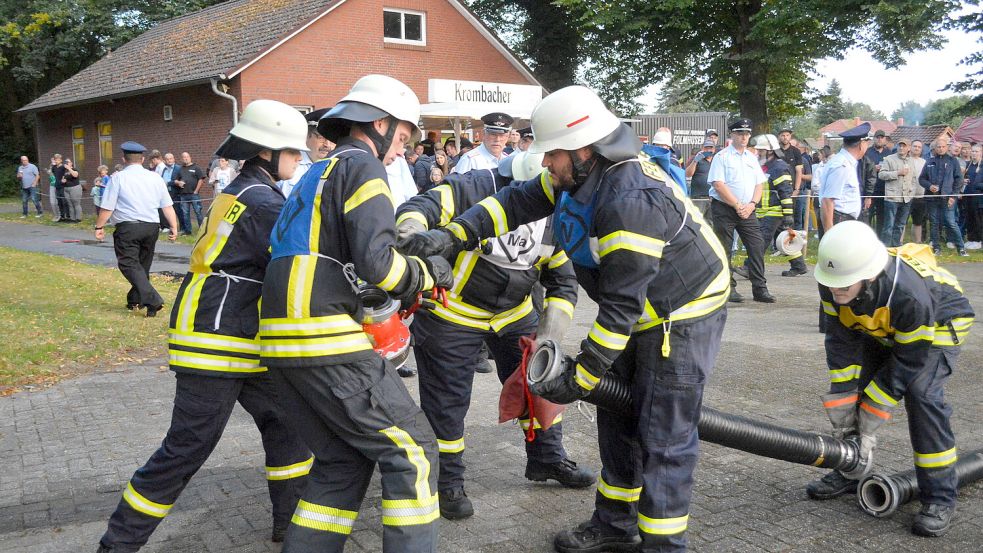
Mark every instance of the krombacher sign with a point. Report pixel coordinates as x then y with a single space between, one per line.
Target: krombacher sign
473 92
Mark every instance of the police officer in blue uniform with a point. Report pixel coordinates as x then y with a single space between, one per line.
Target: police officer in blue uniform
839 198
492 149
213 346
660 278
131 201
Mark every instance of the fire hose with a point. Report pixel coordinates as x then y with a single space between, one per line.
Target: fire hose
728 430
881 494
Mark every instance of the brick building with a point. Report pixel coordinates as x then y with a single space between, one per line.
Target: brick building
175 87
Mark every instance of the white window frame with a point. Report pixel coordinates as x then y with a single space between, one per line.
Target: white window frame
402 27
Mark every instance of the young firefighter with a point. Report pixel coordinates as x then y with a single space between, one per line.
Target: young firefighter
660 278
352 410
489 303
895 323
213 346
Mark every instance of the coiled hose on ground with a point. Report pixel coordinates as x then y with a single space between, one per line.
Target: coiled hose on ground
881 494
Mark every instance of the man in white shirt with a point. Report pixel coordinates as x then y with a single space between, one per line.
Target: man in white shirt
319 148
736 182
840 197
492 148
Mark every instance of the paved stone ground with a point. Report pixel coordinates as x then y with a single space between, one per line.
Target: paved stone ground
66 453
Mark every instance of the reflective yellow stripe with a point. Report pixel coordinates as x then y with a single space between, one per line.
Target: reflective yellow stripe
366 192
410 512
316 347
463 266
713 298
446 204
829 309
312 326
428 282
450 446
943 334
213 341
314 234
210 362
561 304
462 313
290 471
781 179
920 333
396 271
416 456
320 517
414 216
544 181
506 318
606 338
189 302
845 374
558 260
615 493
584 378
497 214
144 505
875 393
458 231
662 526
935 460
299 286
524 423
631 241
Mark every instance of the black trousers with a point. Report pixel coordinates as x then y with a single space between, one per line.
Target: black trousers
134 243
445 357
354 416
202 407
725 222
649 457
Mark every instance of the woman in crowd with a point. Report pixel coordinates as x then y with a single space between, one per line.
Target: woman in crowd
73 192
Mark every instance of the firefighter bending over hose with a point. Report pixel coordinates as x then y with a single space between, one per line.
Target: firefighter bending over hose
660 277
489 303
895 322
352 410
213 346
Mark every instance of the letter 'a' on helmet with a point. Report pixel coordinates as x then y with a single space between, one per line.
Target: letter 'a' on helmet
848 253
372 97
570 118
766 142
265 125
521 166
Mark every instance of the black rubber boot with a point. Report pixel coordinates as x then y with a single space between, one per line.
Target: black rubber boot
588 538
279 532
933 520
566 472
454 504
735 297
104 549
833 485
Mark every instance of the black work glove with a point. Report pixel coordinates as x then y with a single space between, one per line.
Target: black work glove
438 241
562 389
440 270
788 221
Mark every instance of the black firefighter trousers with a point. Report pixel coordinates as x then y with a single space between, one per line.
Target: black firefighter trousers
202 407
134 244
354 416
445 358
648 458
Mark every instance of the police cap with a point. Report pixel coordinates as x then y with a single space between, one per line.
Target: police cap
525 132
497 122
130 147
741 125
856 134
315 116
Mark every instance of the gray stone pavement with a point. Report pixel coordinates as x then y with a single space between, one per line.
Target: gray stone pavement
67 451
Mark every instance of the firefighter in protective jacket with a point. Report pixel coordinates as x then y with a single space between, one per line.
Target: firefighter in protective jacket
352 410
660 278
213 344
775 210
489 303
895 322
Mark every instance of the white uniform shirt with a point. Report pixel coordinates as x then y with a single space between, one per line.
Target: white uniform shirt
286 186
401 183
740 171
478 158
840 183
134 195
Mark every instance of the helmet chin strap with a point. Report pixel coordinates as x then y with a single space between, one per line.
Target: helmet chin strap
271 166
580 168
381 143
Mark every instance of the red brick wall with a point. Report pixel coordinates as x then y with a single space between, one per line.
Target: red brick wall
299 73
200 122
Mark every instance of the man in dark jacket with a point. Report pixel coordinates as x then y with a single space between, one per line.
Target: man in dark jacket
938 180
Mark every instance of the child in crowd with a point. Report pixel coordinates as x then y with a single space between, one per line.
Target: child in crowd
99 184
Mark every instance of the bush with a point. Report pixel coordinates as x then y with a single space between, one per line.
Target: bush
9 186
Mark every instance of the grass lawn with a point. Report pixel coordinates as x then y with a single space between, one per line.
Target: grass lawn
65 318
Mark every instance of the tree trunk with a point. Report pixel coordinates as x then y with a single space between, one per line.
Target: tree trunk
752 76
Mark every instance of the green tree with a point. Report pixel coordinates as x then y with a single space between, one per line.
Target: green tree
754 54
971 22
946 111
831 106
678 97
864 111
911 111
